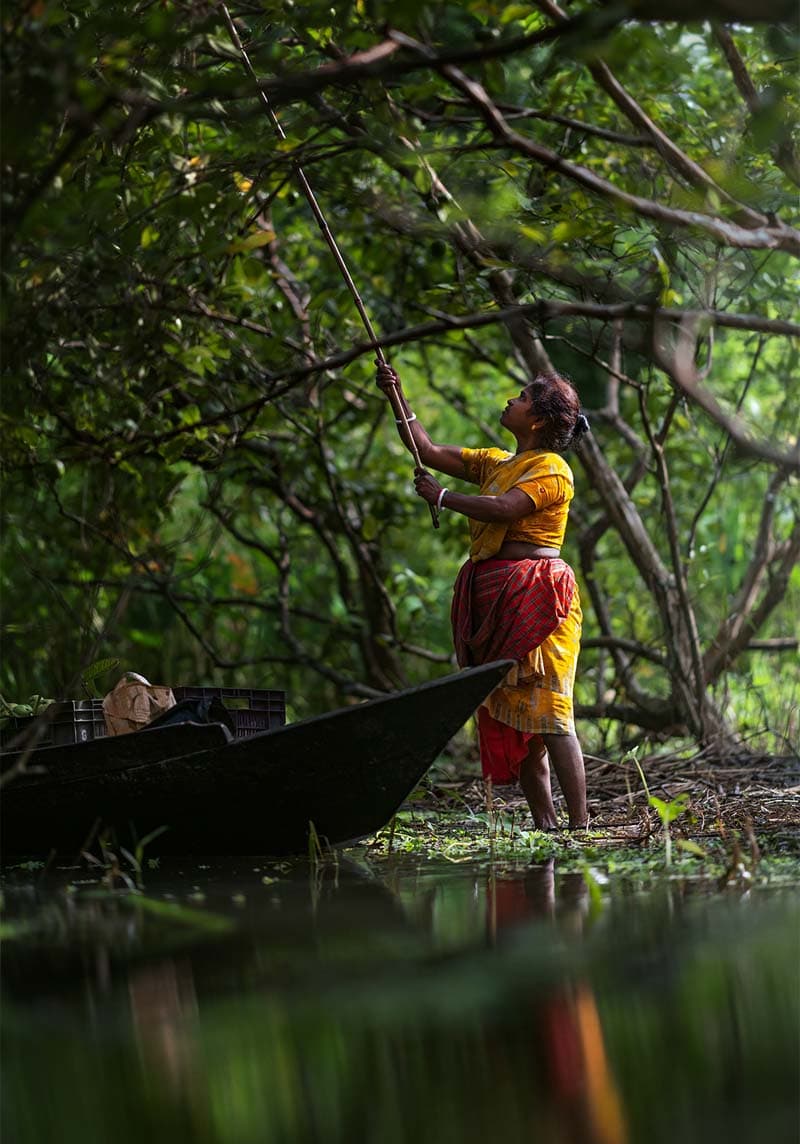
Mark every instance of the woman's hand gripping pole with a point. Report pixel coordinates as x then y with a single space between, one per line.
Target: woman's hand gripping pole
388 381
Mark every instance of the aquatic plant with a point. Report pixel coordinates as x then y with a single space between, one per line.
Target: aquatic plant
667 811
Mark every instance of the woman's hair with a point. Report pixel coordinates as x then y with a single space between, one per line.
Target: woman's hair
554 397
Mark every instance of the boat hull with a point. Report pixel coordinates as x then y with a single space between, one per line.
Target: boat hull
346 772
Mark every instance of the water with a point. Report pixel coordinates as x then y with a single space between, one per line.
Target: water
401 1003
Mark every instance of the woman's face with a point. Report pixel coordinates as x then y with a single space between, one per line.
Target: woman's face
518 414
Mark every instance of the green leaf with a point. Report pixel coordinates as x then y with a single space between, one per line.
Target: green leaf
252 242
191 415
573 228
99 667
535 233
96 669
515 12
690 847
669 811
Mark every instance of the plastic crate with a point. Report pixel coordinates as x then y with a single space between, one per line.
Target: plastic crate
68 721
252 709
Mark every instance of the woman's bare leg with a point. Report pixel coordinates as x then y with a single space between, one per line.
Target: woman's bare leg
567 758
534 778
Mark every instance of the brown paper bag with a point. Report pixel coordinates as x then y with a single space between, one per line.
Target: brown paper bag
133 703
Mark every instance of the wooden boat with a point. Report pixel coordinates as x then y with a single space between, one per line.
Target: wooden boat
347 772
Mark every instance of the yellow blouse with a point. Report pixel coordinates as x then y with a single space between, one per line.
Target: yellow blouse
545 477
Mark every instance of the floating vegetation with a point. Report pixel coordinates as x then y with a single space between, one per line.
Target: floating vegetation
680 822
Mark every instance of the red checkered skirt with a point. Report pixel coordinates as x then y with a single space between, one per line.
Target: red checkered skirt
503 609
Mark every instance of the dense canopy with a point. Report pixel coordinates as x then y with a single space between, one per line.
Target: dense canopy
200 476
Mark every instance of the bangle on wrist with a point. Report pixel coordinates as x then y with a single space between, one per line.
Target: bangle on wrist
439 500
405 420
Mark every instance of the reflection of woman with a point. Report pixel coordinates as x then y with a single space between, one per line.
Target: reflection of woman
515 598
565 1021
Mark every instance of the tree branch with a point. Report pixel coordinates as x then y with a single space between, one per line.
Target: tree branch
514 111
678 363
720 458
779 643
726 233
784 152
731 11
677 159
768 560
633 646
683 623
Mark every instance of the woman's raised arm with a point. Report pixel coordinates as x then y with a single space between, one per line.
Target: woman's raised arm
443 458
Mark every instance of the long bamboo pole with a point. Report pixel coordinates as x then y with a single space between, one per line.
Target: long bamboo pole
327 234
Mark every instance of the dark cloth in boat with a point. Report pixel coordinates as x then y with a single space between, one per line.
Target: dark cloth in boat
203 710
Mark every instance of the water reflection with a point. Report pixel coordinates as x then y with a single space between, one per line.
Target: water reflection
565 1021
413 1003
517 899
164 1013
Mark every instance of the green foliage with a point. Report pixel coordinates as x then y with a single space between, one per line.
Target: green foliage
34 705
189 486
667 810
91 674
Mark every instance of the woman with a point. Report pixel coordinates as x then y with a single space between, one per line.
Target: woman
515 597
